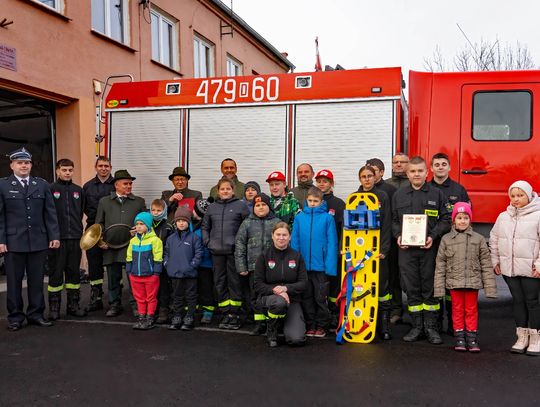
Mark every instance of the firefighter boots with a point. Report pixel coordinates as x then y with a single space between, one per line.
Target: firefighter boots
96 298
522 340
259 329
460 345
384 322
416 332
430 327
271 332
55 299
73 307
234 322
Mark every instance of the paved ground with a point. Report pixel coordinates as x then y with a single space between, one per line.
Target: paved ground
102 362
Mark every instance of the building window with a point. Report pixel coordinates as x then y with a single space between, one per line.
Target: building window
502 116
203 57
109 17
234 67
57 5
164 39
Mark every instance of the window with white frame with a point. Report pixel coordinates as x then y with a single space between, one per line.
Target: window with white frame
57 5
234 67
164 39
110 17
203 58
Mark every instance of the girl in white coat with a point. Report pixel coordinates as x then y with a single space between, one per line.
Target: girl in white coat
515 248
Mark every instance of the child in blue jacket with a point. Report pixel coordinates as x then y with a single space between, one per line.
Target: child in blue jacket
143 266
183 254
314 235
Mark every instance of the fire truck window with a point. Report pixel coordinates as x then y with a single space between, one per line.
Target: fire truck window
502 116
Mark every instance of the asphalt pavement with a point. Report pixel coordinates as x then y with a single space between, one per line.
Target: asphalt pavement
102 361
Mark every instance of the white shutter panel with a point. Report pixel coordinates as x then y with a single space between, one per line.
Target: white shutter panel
342 136
147 144
255 137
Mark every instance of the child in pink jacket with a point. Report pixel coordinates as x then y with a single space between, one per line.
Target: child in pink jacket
515 248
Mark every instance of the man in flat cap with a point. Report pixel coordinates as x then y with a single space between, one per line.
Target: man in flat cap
181 195
116 214
28 227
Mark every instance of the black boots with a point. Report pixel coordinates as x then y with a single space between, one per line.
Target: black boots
472 341
96 298
460 345
73 307
417 331
163 315
259 329
271 332
431 326
55 300
384 326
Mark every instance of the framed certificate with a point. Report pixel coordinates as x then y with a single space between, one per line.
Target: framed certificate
414 230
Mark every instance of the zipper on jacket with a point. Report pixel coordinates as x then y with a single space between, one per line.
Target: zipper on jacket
310 232
222 226
139 258
68 215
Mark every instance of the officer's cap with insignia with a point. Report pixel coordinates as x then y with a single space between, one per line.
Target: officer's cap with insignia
21 154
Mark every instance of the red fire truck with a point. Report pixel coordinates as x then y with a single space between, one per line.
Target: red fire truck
336 120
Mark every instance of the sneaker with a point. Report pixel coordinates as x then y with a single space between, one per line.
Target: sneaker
140 324
207 317
176 323
225 321
310 333
319 333
234 322
188 324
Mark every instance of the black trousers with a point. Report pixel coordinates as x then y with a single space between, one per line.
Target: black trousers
394 283
164 293
417 268
184 295
17 264
228 284
95 265
205 288
525 300
315 301
65 261
294 327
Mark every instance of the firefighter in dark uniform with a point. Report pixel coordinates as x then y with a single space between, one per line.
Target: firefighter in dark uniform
69 202
453 192
417 264
95 189
28 227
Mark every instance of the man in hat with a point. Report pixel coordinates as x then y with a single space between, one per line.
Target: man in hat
98 187
28 227
119 208
229 170
181 195
282 201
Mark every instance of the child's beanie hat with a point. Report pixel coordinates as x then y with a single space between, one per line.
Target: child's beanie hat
254 185
461 207
524 186
262 197
183 213
144 217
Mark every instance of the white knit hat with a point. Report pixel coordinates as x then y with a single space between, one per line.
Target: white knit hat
524 186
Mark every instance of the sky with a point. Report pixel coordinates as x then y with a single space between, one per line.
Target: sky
385 33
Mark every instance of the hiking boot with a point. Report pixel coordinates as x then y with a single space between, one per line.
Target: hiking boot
96 301
234 322
73 306
55 300
522 340
259 329
534 343
416 333
225 322
472 341
140 323
176 323
115 310
163 316
431 327
460 345
207 317
188 324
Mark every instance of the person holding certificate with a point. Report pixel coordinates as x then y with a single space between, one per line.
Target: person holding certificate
420 216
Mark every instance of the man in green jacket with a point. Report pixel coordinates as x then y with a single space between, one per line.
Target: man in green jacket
116 214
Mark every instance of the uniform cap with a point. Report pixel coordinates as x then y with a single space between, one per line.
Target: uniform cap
20 154
325 174
276 176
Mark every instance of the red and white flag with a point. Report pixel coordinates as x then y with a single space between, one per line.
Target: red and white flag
318 66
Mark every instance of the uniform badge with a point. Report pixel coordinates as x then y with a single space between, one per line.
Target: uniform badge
292 264
34 183
13 183
331 212
76 195
56 195
432 203
271 264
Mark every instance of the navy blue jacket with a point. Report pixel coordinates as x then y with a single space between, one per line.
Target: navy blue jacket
183 254
28 222
314 236
69 202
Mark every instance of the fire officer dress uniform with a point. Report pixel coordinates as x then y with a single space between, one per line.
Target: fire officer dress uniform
453 192
94 190
28 224
69 202
417 265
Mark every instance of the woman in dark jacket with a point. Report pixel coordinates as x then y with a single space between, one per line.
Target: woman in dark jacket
219 227
367 184
280 279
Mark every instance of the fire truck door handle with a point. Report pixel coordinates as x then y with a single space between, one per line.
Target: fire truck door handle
474 172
